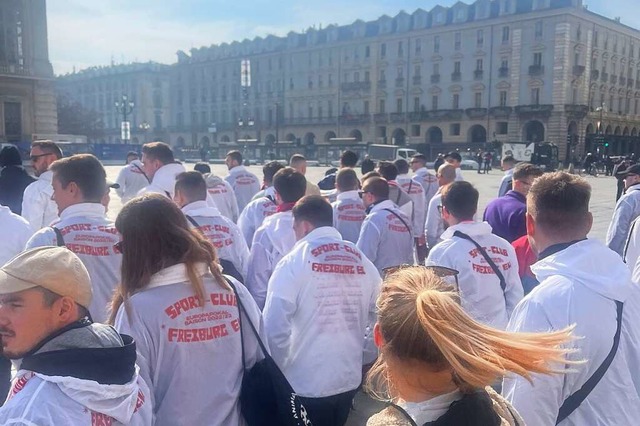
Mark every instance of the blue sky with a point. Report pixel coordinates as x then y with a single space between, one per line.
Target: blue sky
84 33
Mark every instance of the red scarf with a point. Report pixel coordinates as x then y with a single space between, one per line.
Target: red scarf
285 207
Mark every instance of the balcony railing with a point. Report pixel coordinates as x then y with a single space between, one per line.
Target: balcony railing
478 74
503 72
381 118
456 76
382 83
399 82
595 74
356 86
435 78
398 117
417 80
355 119
536 70
578 70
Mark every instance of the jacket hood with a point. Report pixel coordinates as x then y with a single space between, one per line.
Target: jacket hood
201 209
472 229
591 264
93 365
165 178
279 229
213 180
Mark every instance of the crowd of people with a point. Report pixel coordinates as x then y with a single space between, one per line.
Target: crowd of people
387 282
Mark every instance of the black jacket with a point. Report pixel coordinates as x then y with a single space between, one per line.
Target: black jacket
13 181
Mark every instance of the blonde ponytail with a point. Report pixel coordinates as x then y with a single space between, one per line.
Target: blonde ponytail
421 319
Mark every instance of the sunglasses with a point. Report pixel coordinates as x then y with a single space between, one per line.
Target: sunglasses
34 158
439 271
361 193
118 247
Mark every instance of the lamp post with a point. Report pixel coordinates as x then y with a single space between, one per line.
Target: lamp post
275 148
125 107
144 126
600 139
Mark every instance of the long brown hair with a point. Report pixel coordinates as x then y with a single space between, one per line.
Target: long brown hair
420 319
155 236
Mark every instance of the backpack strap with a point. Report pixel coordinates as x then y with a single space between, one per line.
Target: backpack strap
141 171
401 219
483 252
59 238
573 402
193 221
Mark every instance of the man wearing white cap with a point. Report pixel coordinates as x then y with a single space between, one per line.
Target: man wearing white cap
71 370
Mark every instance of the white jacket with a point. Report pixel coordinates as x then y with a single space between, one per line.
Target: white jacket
627 209
191 355
320 305
131 180
223 234
37 206
385 239
88 233
480 293
348 215
15 233
221 196
434 225
414 189
254 214
164 180
506 183
37 399
579 286
244 183
429 182
271 242
631 251
459 176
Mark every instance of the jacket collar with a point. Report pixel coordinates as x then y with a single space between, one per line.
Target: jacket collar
422 171
322 232
237 169
557 248
349 195
384 204
635 187
200 208
515 194
84 209
175 274
473 229
46 176
508 173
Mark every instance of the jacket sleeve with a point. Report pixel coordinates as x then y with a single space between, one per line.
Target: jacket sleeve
432 224
537 403
280 306
619 227
370 350
42 238
246 225
514 292
632 246
34 206
419 213
122 181
242 251
260 267
233 202
369 240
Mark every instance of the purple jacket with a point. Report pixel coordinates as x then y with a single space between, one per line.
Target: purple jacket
506 215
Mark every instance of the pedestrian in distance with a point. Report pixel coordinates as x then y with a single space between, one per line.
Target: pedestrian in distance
626 211
415 191
435 225
437 364
161 168
618 173
455 159
183 313
14 179
396 194
506 184
131 178
348 209
244 183
220 194
586 285
79 187
71 371
299 163
348 159
490 287
37 206
367 165
319 313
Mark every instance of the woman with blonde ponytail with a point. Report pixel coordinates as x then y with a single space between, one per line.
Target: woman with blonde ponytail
183 315
436 364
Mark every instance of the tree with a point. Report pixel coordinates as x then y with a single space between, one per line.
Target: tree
74 119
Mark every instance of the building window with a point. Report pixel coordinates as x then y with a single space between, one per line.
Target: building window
455 104
330 80
579 33
366 108
595 38
434 102
367 76
479 64
356 77
418 46
416 104
538 30
330 108
502 127
415 130
367 51
320 112
535 96
503 98
436 69
400 73
383 75
505 35
383 50
458 41
382 106
537 59
480 38
400 49
320 82
478 100
399 105
416 70
310 83
439 18
436 44
456 67
454 129
310 111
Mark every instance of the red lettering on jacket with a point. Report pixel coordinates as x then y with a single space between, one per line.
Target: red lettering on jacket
88 250
20 384
181 306
191 335
223 299
99 419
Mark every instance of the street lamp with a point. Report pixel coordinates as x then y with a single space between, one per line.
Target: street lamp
144 126
600 139
125 107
